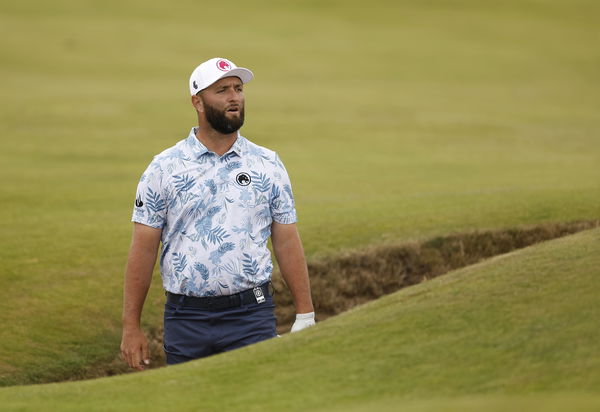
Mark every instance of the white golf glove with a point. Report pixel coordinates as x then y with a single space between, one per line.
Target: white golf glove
303 321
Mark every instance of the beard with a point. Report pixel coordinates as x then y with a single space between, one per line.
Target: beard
219 121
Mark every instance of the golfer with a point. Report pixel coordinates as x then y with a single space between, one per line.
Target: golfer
213 200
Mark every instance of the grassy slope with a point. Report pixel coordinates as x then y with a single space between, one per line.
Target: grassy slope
493 336
428 118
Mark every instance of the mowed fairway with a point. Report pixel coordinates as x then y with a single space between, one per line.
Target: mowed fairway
396 121
517 331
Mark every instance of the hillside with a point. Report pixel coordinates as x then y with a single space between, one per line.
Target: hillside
500 334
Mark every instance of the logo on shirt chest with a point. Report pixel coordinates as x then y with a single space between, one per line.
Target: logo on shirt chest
243 179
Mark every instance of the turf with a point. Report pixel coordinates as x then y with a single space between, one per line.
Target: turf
515 331
397 121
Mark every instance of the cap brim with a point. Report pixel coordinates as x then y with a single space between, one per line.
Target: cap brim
244 74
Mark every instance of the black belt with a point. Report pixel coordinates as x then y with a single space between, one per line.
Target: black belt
245 297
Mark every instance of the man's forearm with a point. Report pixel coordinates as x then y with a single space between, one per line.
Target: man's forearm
138 275
295 274
292 264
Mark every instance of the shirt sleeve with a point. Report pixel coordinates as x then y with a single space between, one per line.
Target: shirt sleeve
282 204
150 206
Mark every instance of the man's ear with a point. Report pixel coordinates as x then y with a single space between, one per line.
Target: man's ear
197 103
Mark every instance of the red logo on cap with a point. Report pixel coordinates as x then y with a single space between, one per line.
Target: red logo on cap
223 65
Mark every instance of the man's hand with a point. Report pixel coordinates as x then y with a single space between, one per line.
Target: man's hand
134 349
303 321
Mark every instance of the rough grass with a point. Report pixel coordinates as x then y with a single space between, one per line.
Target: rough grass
517 330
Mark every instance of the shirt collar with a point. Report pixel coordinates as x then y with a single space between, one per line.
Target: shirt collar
197 149
239 146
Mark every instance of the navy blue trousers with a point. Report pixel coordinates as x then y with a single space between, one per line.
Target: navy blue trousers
192 333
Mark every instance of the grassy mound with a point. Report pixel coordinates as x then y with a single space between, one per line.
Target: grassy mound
497 334
342 282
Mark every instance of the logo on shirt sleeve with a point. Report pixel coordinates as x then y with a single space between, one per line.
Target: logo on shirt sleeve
138 201
243 179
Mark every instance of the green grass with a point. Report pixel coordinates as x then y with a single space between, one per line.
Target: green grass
397 121
546 403
518 330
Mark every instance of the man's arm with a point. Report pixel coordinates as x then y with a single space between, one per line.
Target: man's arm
292 264
138 275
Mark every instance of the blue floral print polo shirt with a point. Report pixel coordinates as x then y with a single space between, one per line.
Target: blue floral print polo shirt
215 214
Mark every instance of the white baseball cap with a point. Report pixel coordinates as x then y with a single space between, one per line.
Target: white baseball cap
214 69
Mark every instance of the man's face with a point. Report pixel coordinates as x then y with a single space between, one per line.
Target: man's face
223 103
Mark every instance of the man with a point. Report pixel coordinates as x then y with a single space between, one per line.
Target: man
213 200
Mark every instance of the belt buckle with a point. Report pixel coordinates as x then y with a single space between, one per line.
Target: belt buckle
258 294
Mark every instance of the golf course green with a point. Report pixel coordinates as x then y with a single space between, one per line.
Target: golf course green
398 121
